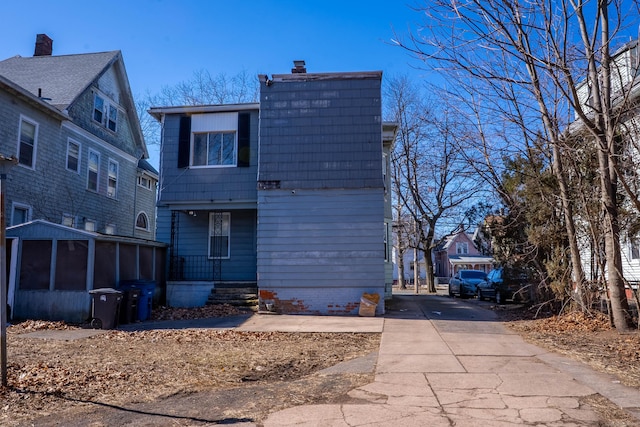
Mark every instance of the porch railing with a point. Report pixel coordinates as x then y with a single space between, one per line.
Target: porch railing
191 267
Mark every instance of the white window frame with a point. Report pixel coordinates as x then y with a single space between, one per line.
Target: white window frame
146 218
109 112
209 134
36 131
634 249
149 182
89 170
112 118
462 248
66 218
97 97
110 229
23 207
112 190
386 242
384 171
212 232
90 225
78 159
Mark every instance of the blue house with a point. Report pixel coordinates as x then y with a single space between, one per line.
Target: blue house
289 195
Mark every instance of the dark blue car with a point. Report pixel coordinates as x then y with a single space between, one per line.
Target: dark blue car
465 283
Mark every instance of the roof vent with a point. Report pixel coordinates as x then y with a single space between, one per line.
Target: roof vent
44 45
298 67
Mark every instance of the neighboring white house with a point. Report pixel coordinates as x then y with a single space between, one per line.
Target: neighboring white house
625 88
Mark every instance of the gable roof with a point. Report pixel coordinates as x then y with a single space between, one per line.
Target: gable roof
60 79
18 91
451 239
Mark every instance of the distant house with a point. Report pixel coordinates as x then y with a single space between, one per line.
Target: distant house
289 195
72 123
458 252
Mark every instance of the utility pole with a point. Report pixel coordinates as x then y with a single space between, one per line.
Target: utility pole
6 163
416 264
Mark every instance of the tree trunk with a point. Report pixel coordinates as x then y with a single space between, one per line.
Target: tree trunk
576 261
400 263
428 262
615 280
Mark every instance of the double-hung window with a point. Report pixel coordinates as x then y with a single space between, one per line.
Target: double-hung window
219 234
635 248
27 143
214 149
462 248
98 108
105 112
93 170
113 118
112 180
73 156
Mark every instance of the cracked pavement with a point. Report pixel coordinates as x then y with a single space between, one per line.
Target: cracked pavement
442 363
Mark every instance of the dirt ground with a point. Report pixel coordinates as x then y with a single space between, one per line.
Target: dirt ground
229 376
235 375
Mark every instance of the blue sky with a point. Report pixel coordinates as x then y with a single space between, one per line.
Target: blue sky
165 41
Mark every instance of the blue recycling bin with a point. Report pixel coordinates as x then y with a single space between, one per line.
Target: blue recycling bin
145 299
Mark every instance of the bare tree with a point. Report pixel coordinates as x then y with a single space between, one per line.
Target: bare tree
433 185
549 51
202 89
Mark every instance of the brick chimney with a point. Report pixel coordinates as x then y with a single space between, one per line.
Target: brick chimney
298 67
44 45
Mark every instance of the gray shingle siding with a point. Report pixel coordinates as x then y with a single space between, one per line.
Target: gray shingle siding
205 185
330 131
50 190
81 112
326 237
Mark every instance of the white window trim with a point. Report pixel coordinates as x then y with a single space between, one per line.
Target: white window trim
115 194
632 243
234 162
66 160
18 205
386 242
210 234
74 220
89 170
149 180
384 171
87 223
462 248
107 104
24 118
147 219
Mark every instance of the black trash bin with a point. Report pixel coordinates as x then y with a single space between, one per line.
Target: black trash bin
129 305
145 301
105 308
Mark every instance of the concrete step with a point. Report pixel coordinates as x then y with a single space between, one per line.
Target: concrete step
239 296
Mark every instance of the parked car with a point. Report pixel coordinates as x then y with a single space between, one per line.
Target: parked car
505 283
465 283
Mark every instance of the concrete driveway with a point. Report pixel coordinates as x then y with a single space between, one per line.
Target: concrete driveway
445 361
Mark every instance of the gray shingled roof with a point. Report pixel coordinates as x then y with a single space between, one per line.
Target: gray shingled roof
61 78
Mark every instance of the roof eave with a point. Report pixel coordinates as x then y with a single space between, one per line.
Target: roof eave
158 112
